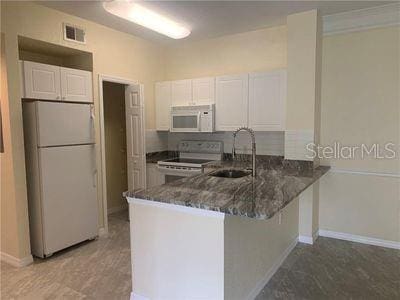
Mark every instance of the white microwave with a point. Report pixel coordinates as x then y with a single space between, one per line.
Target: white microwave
198 118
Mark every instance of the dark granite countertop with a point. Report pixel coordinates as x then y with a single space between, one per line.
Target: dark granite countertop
277 183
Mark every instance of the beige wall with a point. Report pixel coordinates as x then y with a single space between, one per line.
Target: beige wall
14 214
361 104
115 144
362 205
302 75
360 94
131 58
254 247
245 52
309 213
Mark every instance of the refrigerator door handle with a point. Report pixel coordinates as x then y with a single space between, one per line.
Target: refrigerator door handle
95 178
92 116
92 111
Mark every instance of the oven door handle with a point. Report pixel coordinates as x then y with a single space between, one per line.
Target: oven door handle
179 172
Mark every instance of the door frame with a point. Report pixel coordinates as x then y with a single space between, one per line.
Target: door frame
103 231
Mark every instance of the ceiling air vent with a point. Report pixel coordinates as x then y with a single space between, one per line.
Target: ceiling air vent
74 34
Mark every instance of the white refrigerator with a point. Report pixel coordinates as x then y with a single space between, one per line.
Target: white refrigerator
61 174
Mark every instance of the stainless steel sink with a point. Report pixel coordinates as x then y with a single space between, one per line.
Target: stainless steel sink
230 173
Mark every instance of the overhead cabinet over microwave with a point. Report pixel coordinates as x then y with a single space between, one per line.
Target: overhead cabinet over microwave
48 82
188 92
199 91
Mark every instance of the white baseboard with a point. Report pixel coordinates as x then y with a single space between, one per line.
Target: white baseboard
116 209
16 262
103 232
138 297
308 239
261 284
359 239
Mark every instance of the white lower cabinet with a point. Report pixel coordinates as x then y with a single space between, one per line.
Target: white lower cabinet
153 176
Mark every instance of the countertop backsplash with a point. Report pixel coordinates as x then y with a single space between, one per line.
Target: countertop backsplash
156 141
268 143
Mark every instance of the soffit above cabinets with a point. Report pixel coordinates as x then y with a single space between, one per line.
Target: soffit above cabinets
208 19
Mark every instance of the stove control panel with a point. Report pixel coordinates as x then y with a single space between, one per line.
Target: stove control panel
201 146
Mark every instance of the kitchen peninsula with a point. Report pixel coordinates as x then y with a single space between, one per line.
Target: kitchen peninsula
207 237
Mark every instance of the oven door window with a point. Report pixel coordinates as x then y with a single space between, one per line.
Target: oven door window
185 122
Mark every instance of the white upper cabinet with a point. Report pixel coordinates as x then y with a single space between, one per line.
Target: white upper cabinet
76 85
267 98
41 81
257 100
181 92
203 90
231 109
163 105
48 82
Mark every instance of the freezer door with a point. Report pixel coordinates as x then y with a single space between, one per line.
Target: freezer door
64 123
69 204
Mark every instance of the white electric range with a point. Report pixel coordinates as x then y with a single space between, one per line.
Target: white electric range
193 159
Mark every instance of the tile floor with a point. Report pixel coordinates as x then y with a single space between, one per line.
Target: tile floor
330 269
99 269
335 269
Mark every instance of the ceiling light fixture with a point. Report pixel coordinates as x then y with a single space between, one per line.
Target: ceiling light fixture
145 17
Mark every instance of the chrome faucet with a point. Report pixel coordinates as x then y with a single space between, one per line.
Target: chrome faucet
253 148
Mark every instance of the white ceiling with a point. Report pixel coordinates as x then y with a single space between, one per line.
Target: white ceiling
208 19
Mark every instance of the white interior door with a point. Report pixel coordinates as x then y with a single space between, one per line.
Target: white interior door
69 204
136 155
